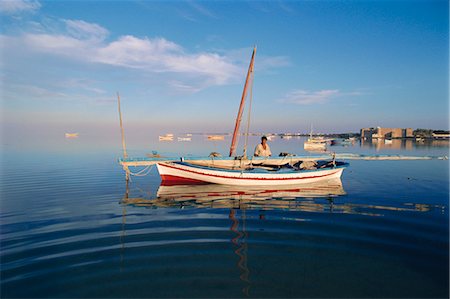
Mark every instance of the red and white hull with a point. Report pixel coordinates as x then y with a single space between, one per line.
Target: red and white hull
182 173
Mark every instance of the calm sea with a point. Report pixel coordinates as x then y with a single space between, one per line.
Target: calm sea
71 227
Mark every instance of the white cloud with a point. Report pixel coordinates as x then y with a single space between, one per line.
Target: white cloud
79 91
12 7
82 84
10 92
88 43
83 30
304 97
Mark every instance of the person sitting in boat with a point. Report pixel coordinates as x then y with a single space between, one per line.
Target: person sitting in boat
263 149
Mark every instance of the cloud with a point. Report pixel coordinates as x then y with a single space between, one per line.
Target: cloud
82 84
266 62
74 91
183 87
86 42
202 9
304 97
263 62
12 7
90 43
83 30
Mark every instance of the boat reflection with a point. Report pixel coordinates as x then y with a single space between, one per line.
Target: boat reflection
318 197
257 197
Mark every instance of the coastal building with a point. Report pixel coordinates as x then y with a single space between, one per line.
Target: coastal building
387 133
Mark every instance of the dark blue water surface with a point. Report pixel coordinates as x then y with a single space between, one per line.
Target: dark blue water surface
71 227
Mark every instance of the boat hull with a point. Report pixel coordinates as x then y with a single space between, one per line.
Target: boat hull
181 173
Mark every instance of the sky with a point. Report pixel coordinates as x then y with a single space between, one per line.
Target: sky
180 66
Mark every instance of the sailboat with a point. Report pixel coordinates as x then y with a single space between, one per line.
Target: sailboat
248 172
315 143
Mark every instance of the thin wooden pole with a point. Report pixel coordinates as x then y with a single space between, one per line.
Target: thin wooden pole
241 106
125 155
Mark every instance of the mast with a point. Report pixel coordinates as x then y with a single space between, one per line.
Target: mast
241 106
125 155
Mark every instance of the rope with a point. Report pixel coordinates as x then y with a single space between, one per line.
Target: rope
142 172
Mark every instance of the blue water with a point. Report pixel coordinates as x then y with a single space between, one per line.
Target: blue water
71 227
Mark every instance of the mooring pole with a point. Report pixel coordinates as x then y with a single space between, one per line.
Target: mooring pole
125 155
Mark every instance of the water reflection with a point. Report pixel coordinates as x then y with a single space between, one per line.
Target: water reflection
402 144
318 197
243 197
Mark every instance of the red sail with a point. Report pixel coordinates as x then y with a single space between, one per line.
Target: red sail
241 107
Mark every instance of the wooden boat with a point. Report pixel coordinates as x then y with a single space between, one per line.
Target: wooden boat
184 138
256 175
216 137
71 135
315 143
166 137
311 145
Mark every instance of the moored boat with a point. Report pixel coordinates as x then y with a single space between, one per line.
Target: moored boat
184 138
314 145
166 137
216 137
71 135
299 173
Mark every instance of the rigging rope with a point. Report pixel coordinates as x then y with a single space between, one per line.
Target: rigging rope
142 172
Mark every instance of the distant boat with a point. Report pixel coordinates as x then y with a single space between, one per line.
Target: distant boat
71 135
167 137
315 143
184 138
314 146
216 137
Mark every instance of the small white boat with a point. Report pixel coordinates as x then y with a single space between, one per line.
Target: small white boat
314 145
255 175
71 135
184 138
216 137
166 137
